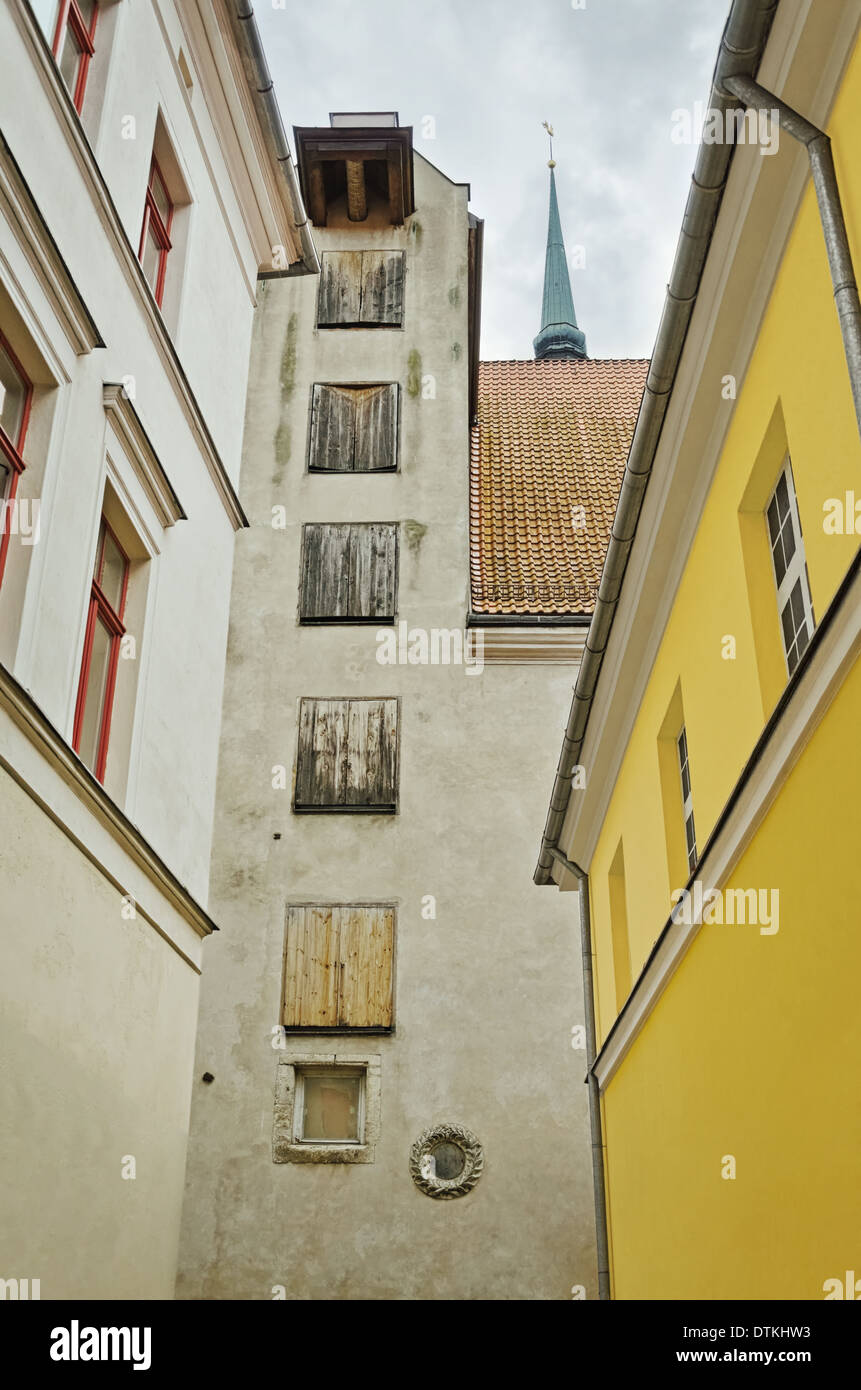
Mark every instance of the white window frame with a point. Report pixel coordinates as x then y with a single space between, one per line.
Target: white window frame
795 572
299 1105
687 798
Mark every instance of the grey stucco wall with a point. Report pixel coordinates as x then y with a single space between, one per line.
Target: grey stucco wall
488 991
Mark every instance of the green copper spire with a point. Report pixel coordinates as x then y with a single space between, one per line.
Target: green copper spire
559 335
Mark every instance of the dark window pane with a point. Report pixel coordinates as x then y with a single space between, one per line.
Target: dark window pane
69 58
779 560
773 520
151 258
13 394
91 727
788 629
781 495
113 573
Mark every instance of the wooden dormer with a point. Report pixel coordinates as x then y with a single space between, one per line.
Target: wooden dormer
360 166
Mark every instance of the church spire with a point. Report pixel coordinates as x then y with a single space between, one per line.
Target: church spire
559 335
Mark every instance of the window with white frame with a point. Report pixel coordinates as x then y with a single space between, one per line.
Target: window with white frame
687 800
329 1106
794 603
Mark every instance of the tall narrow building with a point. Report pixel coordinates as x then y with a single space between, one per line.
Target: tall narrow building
389 1101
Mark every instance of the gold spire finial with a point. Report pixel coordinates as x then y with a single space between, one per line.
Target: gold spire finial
551 163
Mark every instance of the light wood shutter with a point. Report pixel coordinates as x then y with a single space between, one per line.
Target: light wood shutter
361 289
311 965
354 429
338 968
348 755
349 572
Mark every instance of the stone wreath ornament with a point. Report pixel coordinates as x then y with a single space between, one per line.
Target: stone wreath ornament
446 1161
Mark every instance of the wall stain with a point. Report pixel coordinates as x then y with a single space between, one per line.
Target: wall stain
414 373
415 533
456 351
416 230
287 382
454 296
288 357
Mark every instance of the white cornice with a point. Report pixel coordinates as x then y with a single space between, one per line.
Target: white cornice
94 183
756 218
141 454
837 647
31 232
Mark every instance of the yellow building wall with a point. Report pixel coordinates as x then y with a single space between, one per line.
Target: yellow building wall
753 1051
748 1050
797 367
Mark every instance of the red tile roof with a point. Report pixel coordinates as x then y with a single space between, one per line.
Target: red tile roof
551 437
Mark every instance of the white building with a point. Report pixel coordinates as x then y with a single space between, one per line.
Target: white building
144 185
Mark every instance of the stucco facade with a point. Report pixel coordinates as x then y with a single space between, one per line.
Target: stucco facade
486 975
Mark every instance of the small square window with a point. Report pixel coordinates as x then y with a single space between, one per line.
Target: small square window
329 1106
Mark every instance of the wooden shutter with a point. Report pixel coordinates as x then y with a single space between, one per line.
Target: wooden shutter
383 287
311 968
348 755
376 428
321 773
333 429
353 429
367 941
349 572
340 296
361 289
338 968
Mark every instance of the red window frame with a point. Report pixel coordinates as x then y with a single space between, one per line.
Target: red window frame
153 220
70 16
101 608
13 452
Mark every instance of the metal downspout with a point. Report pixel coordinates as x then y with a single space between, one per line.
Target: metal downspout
824 175
598 1183
260 80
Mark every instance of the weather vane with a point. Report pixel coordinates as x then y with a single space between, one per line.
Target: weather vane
551 163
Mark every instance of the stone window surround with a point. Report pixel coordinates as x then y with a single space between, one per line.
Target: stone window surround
285 1148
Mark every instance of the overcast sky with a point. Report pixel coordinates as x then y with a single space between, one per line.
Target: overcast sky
607 76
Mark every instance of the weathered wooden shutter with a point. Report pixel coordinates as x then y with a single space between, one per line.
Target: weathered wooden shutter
338 967
333 429
361 289
349 572
348 755
340 296
353 428
375 431
383 287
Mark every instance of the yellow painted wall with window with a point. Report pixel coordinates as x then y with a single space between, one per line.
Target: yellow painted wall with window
739 1056
797 381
